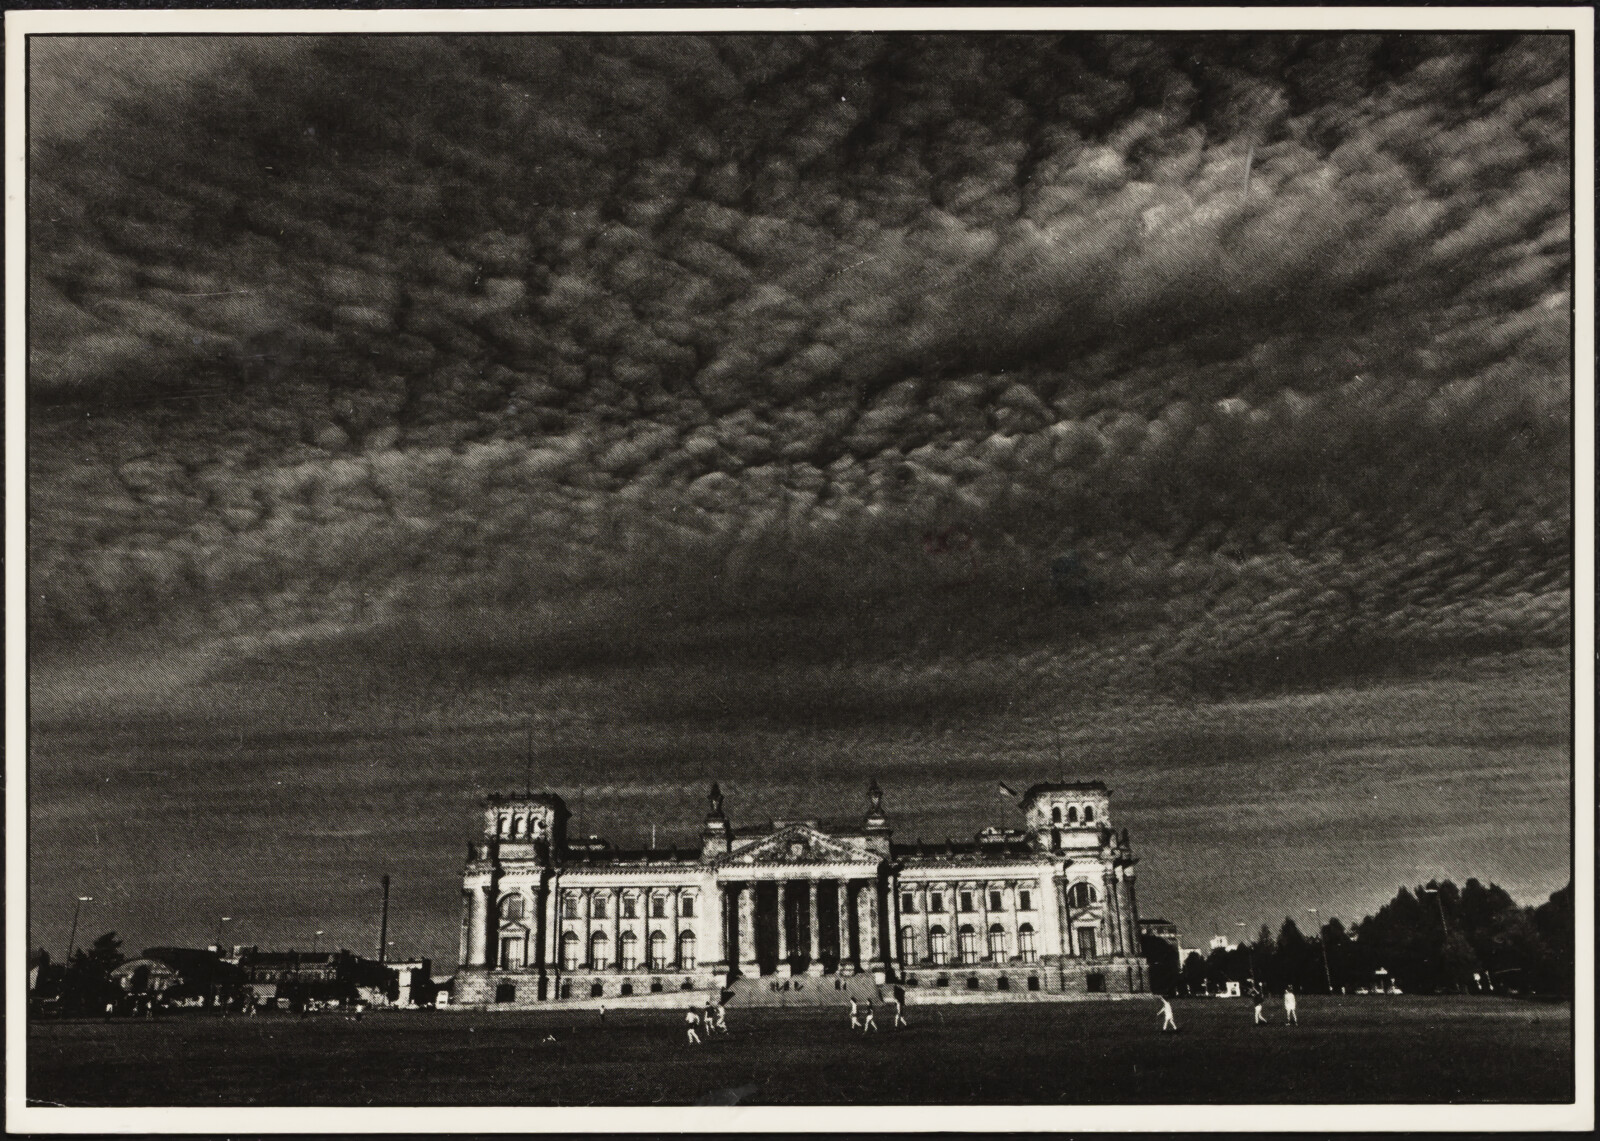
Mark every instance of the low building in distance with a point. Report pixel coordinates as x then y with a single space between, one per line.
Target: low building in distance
1049 907
293 978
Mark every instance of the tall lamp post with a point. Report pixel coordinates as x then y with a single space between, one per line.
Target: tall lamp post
316 941
72 940
1444 925
220 929
1322 940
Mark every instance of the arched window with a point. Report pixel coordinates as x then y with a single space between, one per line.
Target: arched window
658 950
1025 944
1055 814
1072 814
967 944
908 944
502 826
569 951
997 943
518 824
938 945
630 950
686 944
1088 814
511 908
599 951
1081 895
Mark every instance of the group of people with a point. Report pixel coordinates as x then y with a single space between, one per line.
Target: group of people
1258 999
861 1016
713 1020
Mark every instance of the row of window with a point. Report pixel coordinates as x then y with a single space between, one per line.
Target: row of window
1071 816
599 951
967 944
518 827
966 901
515 907
1078 895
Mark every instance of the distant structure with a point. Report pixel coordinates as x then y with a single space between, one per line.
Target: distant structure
295 977
1049 907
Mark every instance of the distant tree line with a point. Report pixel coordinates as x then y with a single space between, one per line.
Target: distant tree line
1434 939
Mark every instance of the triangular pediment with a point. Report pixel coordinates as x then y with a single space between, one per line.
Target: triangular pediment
800 844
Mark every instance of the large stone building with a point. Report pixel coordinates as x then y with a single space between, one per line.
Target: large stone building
1049 907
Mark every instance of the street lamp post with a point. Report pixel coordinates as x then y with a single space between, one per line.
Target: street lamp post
220 922
1444 925
1322 939
316 941
72 940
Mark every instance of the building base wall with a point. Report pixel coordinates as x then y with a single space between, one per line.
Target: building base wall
1067 979
1086 978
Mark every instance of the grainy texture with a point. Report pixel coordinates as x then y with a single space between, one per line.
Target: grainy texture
1391 1049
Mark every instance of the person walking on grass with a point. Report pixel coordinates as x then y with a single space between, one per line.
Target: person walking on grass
898 1005
1291 1007
855 1013
1167 1021
722 1018
867 1022
1257 999
692 1022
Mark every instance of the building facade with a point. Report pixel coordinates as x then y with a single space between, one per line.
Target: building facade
1048 907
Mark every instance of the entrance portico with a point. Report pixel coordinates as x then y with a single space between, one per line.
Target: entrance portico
801 901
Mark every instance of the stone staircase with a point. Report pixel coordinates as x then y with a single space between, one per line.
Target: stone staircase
805 990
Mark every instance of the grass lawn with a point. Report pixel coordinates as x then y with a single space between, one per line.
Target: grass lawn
1357 1049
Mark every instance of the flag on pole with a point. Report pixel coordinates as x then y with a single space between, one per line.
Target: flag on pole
1007 790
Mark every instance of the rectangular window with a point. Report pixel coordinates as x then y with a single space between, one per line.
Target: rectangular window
1086 942
629 908
1024 900
908 903
686 907
966 901
658 907
600 907
994 902
936 903
569 907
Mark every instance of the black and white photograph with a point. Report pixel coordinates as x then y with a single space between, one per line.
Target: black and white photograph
929 568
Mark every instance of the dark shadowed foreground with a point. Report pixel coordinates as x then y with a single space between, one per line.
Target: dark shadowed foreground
1399 1049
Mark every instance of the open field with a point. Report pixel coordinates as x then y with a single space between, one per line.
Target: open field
1400 1049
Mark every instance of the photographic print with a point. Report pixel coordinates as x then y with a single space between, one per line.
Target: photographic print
794 565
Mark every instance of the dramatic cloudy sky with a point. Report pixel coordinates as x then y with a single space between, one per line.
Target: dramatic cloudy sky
1186 412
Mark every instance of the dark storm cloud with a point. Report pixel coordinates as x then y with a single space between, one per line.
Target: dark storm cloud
804 381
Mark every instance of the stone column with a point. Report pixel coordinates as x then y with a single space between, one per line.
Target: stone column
846 956
748 965
785 968
1112 912
616 930
892 899
866 929
813 935
466 926
478 927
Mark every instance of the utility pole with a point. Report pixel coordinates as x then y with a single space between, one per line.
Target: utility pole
383 930
1322 939
72 940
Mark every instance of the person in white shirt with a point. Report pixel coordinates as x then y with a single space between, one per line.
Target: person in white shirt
692 1021
1167 1021
1291 1006
855 1014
